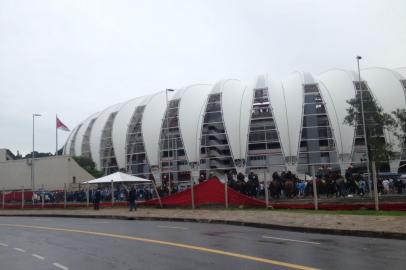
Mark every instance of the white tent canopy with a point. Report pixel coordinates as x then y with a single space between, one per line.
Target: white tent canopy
118 177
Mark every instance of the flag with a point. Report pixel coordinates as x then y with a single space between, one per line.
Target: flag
60 125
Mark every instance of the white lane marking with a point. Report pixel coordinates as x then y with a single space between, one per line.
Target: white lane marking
60 266
42 219
3 245
292 240
100 222
37 256
173 227
19 249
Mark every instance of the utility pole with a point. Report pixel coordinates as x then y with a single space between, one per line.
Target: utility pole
167 139
33 152
363 125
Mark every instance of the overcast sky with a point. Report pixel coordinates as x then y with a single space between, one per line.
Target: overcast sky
74 58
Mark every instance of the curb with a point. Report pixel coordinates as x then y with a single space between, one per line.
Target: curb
356 233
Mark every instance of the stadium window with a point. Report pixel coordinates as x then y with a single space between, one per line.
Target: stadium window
404 84
310 88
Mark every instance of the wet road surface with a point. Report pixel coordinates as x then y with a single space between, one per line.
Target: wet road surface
66 243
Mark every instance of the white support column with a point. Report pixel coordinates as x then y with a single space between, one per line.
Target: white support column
192 192
87 195
157 194
112 193
64 195
22 197
315 199
157 175
194 170
226 193
3 193
266 189
375 180
43 196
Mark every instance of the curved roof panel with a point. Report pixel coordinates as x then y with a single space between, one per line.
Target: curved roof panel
293 93
191 109
236 108
66 150
401 71
384 85
120 126
278 103
81 132
151 125
96 134
245 116
337 87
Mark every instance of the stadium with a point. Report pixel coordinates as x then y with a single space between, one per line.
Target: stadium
261 126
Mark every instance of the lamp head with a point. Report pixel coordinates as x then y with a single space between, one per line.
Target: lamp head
359 57
170 90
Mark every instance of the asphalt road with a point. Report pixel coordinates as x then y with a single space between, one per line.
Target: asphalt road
66 243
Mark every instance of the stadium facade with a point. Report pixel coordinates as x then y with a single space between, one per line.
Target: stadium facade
265 126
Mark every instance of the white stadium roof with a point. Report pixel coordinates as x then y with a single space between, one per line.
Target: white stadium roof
286 101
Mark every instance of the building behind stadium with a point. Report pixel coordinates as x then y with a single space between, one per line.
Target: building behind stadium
263 126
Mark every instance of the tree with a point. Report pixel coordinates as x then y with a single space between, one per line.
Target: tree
376 123
400 133
38 155
400 125
88 165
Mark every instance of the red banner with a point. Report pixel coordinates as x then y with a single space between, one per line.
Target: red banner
60 125
210 192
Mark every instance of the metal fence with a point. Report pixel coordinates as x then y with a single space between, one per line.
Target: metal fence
68 195
285 193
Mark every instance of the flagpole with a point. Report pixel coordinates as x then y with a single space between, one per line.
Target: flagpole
59 125
56 133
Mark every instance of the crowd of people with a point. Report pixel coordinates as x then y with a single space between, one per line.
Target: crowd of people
285 184
251 187
121 193
328 183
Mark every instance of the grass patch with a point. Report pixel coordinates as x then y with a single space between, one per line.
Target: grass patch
346 212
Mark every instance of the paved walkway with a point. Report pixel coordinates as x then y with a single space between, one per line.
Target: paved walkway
378 226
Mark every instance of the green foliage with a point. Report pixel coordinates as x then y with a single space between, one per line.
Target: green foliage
88 165
345 212
376 123
38 155
400 125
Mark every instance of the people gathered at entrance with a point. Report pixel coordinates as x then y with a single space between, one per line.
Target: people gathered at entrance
280 185
328 183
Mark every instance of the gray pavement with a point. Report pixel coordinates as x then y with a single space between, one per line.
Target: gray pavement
82 243
373 226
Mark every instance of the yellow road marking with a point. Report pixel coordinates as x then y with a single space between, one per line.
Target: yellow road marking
166 243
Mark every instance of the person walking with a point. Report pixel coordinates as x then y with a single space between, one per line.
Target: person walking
132 198
97 198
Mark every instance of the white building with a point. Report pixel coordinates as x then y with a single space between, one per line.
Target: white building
266 125
53 172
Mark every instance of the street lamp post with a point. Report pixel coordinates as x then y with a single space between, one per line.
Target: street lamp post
33 152
363 124
167 137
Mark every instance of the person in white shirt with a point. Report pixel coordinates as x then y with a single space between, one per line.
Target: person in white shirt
385 184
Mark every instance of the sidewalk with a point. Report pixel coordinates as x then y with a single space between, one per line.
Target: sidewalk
372 226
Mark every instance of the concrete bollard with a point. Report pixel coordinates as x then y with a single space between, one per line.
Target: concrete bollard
226 193
64 197
112 193
3 193
266 190
22 197
43 197
87 195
